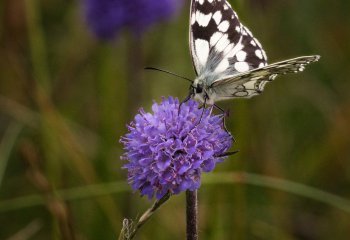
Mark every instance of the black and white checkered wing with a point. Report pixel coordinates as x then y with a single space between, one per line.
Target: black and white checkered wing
226 55
220 45
251 83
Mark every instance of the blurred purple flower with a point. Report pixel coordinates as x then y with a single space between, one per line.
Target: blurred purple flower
168 150
107 17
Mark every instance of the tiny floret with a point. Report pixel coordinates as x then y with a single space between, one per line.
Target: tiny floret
167 150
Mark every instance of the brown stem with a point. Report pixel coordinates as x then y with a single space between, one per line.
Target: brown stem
191 215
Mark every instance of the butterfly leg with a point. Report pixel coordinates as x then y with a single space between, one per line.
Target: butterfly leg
200 119
184 101
220 108
203 106
227 154
225 114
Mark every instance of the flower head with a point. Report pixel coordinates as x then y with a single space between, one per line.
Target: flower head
107 17
167 150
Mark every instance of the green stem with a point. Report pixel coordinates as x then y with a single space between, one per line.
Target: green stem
37 44
6 146
129 231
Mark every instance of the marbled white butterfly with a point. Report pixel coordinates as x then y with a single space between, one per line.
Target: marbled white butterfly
229 62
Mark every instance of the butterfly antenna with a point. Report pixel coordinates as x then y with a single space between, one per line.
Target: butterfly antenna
171 73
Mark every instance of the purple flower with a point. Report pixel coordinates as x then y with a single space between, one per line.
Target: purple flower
107 17
168 150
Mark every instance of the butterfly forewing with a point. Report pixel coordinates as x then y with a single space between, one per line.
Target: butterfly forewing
213 32
219 43
252 52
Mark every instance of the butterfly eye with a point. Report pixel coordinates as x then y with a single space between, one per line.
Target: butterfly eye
199 89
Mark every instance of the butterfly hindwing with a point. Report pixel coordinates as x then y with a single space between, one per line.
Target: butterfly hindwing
251 83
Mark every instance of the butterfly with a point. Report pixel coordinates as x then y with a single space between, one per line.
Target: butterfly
228 61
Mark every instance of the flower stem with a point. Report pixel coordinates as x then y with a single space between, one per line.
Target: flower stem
191 215
129 230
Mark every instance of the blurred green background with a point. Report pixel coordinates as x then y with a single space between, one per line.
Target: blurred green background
65 99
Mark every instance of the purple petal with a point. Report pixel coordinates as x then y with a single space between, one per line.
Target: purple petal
167 150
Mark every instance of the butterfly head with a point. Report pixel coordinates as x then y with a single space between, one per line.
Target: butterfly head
198 86
200 91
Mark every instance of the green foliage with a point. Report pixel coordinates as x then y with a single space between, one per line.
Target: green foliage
66 97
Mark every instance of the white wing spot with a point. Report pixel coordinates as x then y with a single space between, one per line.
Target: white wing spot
241 56
225 7
203 19
215 38
200 1
238 29
217 17
222 66
223 27
228 50
222 43
193 18
252 42
258 53
241 94
233 51
241 66
261 65
202 50
250 84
